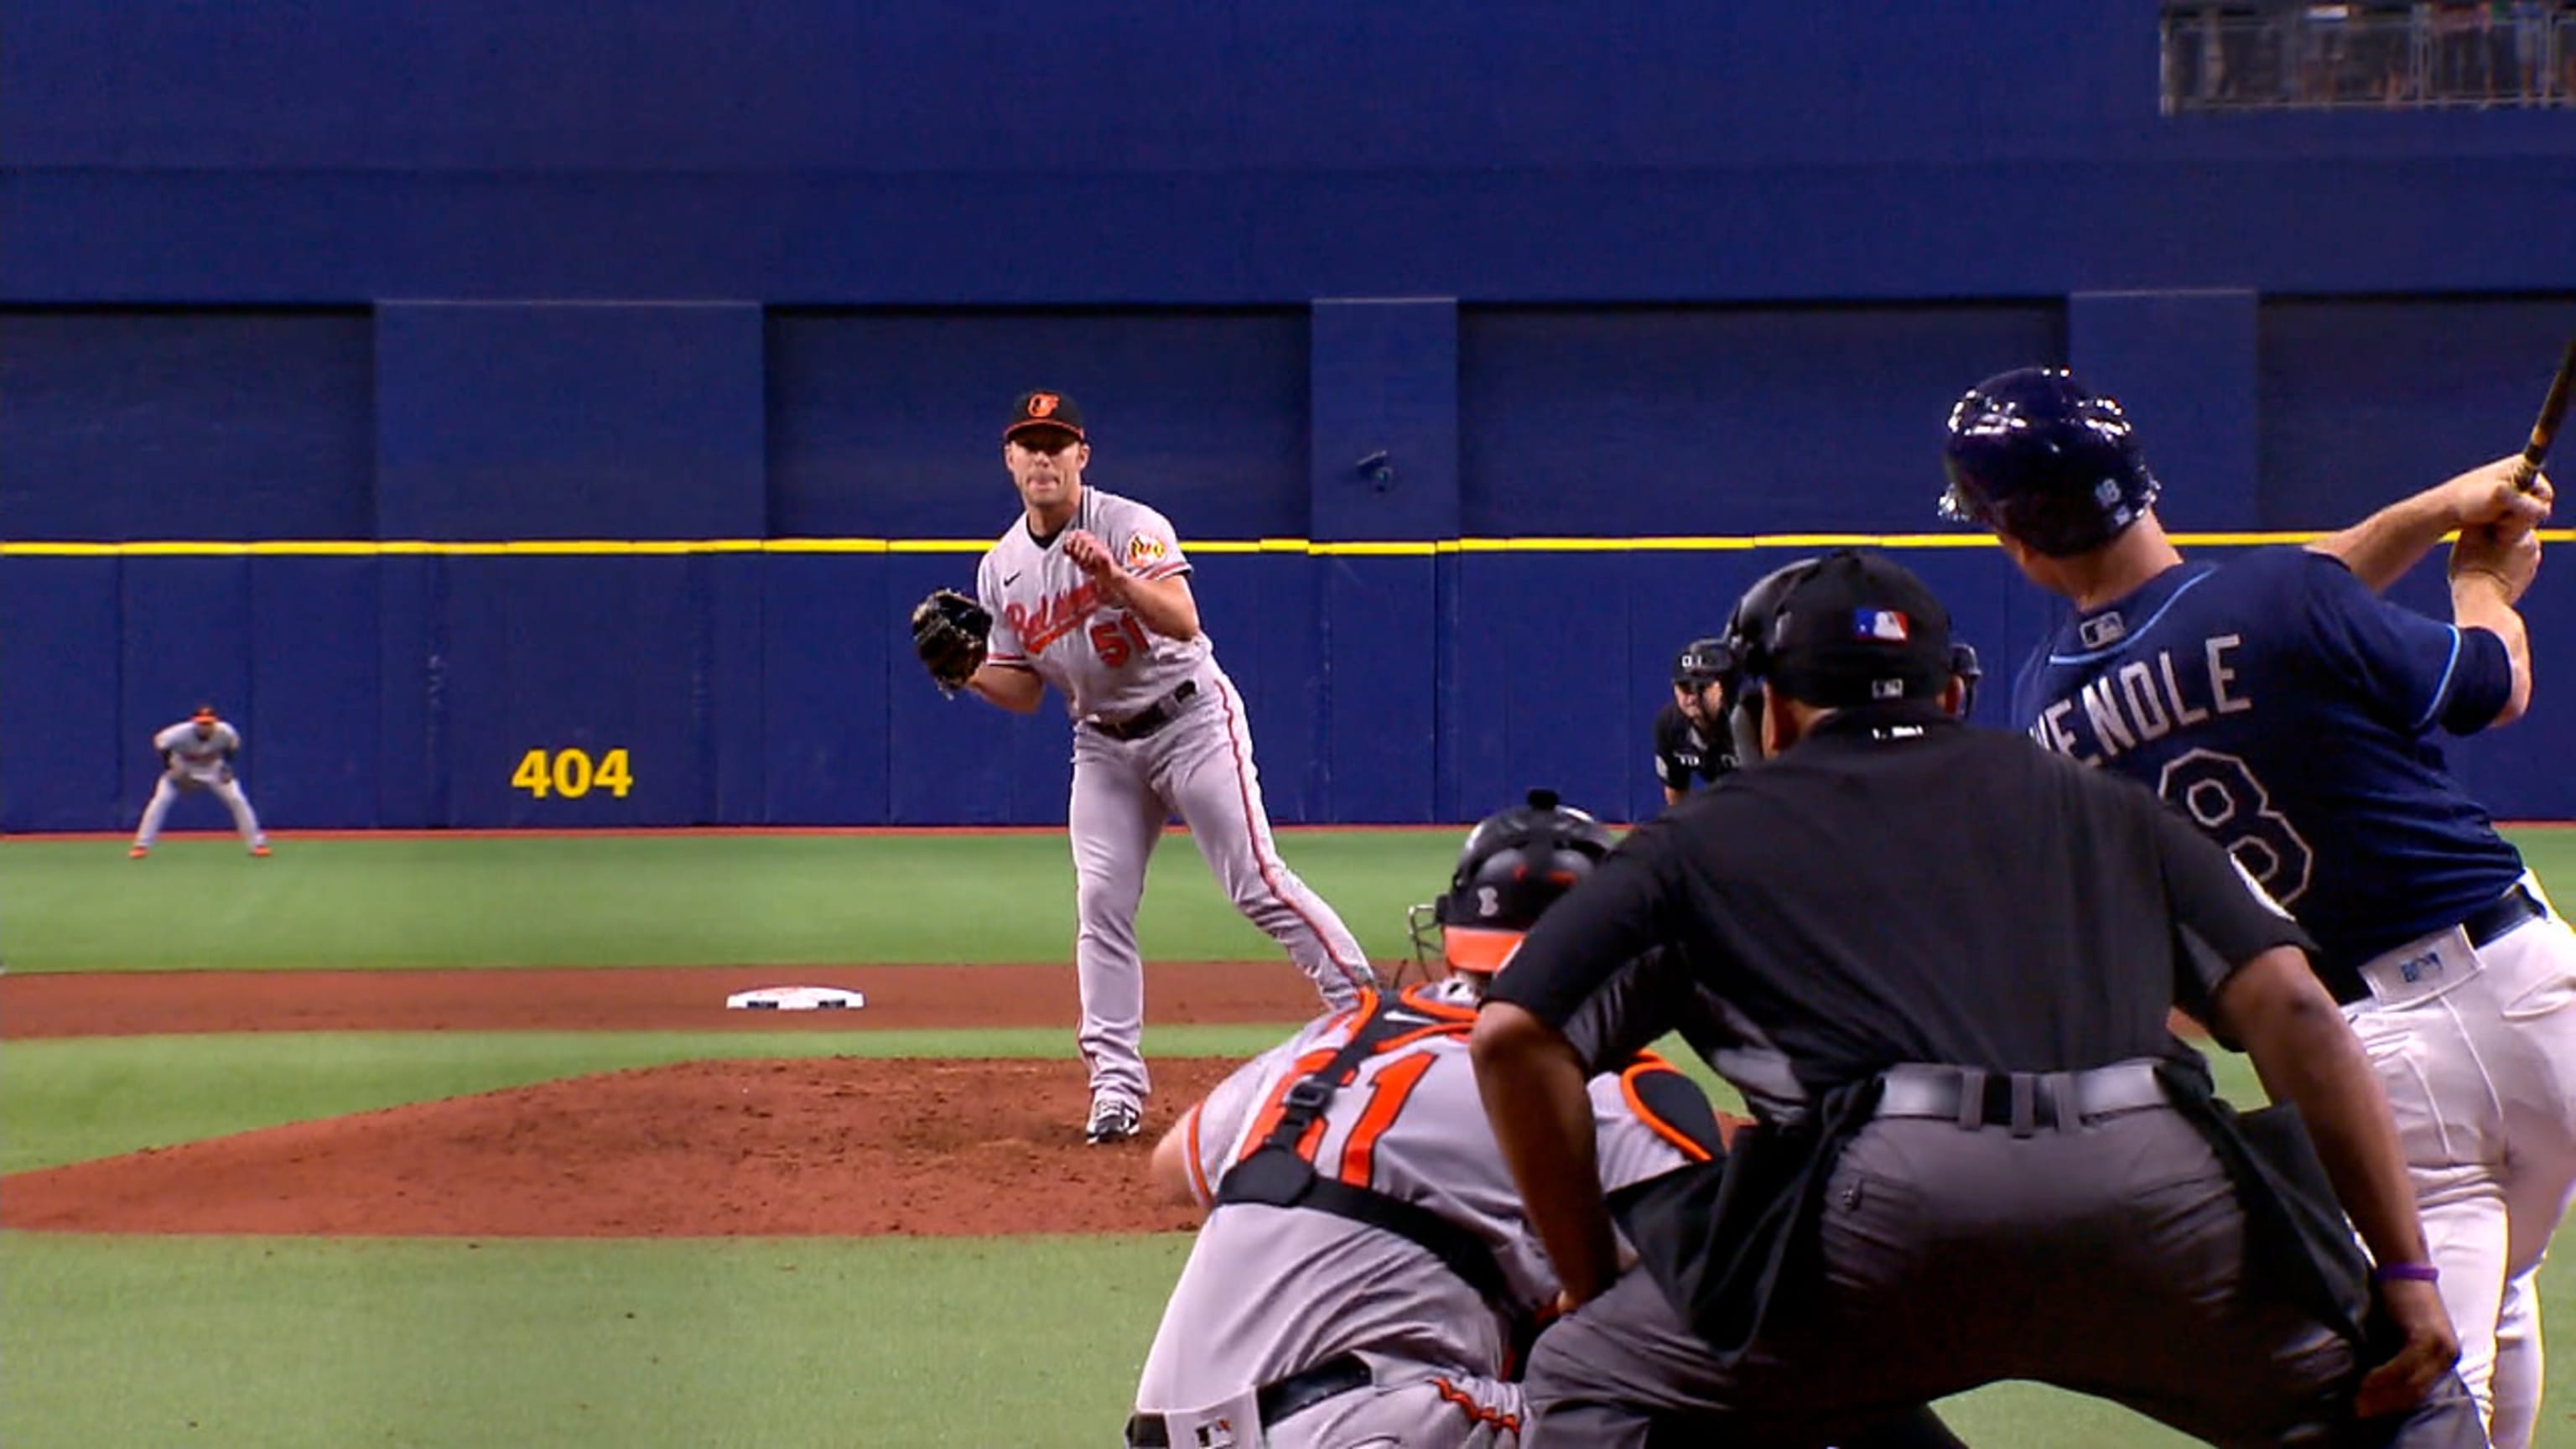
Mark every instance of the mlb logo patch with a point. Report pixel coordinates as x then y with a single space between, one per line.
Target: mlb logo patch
1885 626
1219 1435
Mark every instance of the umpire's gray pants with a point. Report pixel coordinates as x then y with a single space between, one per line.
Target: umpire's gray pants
2109 1260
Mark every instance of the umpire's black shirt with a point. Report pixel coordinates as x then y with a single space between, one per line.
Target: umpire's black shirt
1684 756
1901 887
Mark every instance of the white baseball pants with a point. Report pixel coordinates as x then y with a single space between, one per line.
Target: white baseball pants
245 819
2480 1069
1199 765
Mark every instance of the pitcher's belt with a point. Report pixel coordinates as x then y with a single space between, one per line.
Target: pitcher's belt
1152 717
1276 1401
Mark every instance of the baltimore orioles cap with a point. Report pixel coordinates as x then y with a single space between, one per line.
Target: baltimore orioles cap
1041 409
205 714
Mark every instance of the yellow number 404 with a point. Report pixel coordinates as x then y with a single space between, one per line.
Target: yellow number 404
569 773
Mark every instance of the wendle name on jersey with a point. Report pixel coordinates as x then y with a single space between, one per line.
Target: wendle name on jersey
2142 700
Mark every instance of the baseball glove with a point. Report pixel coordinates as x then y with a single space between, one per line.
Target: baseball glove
948 632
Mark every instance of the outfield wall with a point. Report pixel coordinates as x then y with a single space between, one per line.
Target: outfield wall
427 390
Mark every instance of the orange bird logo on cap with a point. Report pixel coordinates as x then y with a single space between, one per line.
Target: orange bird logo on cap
1042 404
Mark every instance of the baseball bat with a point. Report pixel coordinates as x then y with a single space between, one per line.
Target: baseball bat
2553 410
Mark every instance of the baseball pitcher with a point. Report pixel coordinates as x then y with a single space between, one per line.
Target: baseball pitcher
1089 592
197 754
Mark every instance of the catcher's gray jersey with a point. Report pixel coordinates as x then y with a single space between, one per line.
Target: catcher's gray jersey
1050 617
1269 1291
201 760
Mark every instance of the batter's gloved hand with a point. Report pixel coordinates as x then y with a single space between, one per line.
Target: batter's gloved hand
948 632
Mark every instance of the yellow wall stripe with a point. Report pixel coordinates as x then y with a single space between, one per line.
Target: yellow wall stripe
1356 548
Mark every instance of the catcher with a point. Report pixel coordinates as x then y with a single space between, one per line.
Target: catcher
197 754
1089 592
1349 1172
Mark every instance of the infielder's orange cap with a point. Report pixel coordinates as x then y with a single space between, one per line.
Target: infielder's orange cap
205 714
1042 409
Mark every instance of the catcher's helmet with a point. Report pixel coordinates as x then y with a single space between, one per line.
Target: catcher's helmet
2035 454
1516 863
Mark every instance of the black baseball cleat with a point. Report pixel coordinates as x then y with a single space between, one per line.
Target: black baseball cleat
1112 1120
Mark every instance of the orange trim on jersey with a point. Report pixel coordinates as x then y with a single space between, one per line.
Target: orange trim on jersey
1649 1062
1190 1139
1420 999
1389 1090
1467 1404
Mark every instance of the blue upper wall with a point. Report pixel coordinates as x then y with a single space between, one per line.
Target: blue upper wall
828 151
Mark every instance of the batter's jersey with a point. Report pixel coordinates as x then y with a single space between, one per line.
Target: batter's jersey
1685 757
2287 709
198 759
1269 1291
1050 617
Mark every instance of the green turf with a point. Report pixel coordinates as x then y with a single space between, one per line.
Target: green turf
281 1343
79 1098
680 900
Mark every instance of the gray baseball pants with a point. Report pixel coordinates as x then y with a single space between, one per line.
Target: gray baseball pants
2110 1260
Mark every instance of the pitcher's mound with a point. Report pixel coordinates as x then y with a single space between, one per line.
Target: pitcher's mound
837 1145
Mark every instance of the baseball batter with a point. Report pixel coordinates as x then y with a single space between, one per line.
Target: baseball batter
197 754
1089 592
1384 1331
2290 711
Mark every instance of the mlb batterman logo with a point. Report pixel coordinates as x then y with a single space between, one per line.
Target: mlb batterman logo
1882 625
1219 1435
1145 550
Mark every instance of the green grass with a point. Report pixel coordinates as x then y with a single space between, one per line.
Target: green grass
284 1343
275 1344
680 900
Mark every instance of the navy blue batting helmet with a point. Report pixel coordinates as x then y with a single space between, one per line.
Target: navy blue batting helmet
2035 454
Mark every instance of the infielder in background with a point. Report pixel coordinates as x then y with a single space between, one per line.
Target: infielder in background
1090 592
2289 710
197 753
1691 742
1367 1275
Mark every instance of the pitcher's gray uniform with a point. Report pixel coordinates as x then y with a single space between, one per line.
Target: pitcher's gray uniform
196 753
1159 729
1272 1291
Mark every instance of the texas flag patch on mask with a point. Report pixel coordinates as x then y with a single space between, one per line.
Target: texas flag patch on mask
1884 625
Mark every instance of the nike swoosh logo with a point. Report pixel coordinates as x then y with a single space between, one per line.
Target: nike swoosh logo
1406 1016
1013 579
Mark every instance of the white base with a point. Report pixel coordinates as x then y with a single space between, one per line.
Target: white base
796 998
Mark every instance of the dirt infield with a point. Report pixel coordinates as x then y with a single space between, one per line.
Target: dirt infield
828 1145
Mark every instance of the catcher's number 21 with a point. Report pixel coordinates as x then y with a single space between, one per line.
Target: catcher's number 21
571 774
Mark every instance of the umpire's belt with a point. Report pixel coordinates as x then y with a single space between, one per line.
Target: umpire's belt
1276 1401
2401 975
2022 1101
1152 717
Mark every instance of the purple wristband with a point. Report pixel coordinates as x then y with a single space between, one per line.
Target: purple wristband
2407 1272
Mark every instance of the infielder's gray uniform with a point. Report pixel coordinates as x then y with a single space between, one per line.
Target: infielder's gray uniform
206 763
1049 617
1273 1291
